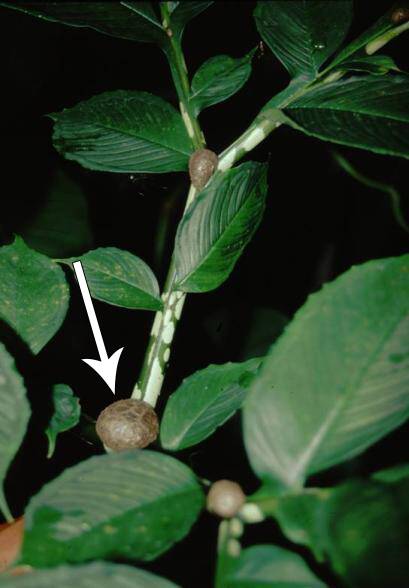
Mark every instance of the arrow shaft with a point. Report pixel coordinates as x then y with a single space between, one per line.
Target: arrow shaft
89 307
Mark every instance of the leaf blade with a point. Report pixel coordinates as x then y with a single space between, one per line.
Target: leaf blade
123 132
66 414
272 567
14 415
203 402
135 21
93 575
133 504
218 79
303 33
360 527
120 278
33 294
369 113
322 399
217 227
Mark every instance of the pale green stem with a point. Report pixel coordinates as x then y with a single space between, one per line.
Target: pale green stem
163 329
157 355
379 42
228 549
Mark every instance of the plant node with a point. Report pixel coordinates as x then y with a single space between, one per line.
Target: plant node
127 424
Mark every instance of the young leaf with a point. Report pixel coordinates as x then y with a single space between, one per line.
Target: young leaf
136 21
182 12
271 567
359 526
132 504
203 402
215 230
61 226
374 64
337 380
120 278
66 414
14 415
94 575
123 131
33 294
303 33
367 112
219 78
376 36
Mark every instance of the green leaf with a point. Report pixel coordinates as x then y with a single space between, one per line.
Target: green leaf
203 402
66 414
120 278
94 575
393 474
182 12
123 131
367 112
360 527
60 228
132 504
303 33
337 380
271 567
218 225
33 294
14 415
382 31
136 21
219 78
374 64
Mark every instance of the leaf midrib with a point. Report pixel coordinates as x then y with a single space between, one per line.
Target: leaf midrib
198 268
237 65
122 281
342 401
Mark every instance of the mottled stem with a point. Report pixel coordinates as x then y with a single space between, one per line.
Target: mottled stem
270 117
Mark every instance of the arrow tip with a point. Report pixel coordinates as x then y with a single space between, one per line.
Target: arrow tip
106 368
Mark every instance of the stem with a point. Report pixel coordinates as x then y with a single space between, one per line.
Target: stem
228 549
158 352
164 325
174 53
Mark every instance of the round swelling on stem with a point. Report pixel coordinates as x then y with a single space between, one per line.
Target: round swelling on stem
127 424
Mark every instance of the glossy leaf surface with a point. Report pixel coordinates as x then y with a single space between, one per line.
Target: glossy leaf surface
123 131
337 380
33 294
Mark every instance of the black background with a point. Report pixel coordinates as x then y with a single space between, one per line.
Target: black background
318 223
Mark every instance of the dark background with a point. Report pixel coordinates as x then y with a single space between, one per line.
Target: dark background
318 223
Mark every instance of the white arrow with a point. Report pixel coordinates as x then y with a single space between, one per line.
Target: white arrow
105 366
